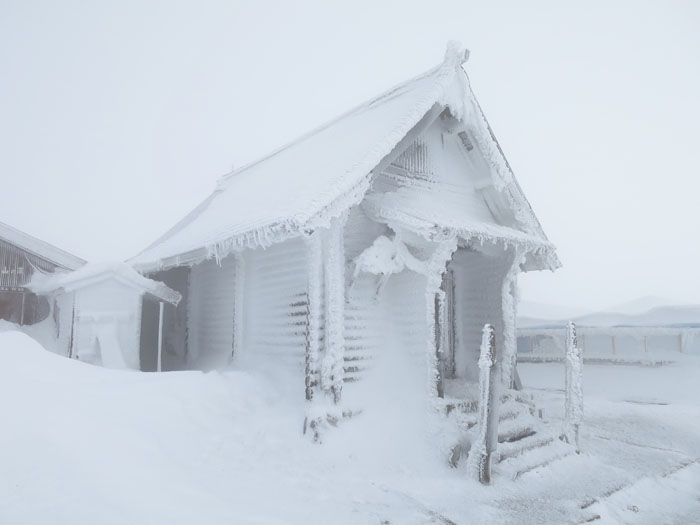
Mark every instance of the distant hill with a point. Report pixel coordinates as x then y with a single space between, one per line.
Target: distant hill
642 312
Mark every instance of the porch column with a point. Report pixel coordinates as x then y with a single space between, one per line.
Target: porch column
332 370
435 312
509 305
313 313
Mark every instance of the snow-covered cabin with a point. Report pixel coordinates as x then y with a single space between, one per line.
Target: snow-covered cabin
23 257
98 313
375 246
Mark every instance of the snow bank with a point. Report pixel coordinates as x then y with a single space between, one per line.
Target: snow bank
85 445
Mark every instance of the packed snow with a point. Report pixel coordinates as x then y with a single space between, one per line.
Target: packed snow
83 444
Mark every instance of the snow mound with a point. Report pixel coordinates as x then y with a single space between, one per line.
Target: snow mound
83 445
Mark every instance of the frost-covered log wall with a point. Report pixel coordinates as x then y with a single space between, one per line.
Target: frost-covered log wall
210 310
275 313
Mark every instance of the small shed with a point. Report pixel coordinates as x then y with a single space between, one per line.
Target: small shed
98 311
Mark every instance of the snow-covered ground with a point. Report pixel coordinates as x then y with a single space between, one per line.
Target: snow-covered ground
83 445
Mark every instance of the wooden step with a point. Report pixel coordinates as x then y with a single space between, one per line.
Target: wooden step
534 458
517 448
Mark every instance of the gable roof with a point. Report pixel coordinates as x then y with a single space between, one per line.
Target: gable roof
303 185
91 274
41 249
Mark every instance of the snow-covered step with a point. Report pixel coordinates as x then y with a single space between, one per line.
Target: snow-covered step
516 429
460 405
534 458
466 421
511 449
513 410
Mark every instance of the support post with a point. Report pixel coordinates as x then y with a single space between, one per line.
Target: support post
680 342
573 402
313 314
440 340
238 302
332 367
71 338
645 345
509 299
159 366
21 315
487 440
613 344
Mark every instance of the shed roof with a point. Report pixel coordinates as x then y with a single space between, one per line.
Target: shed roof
92 274
44 250
302 185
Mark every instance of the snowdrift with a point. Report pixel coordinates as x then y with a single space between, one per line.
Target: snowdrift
85 444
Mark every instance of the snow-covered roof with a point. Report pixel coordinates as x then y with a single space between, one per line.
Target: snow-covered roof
303 185
41 249
91 274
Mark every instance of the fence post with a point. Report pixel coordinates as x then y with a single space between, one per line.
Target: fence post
487 440
573 403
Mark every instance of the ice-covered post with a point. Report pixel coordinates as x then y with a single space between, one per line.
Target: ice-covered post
159 365
573 408
313 313
487 439
332 366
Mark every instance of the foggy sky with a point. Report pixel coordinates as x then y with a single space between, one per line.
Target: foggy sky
116 118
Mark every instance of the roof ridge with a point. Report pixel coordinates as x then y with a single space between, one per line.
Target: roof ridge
455 56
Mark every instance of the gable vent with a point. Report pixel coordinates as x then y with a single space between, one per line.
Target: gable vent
465 140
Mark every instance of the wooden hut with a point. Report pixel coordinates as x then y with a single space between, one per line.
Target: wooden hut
387 237
22 258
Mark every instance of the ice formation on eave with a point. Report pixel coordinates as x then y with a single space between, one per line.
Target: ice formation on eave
323 174
95 273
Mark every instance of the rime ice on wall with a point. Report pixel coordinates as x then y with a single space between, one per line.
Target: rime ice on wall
107 333
274 314
210 308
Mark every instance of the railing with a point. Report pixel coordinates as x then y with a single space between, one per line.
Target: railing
573 392
485 445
